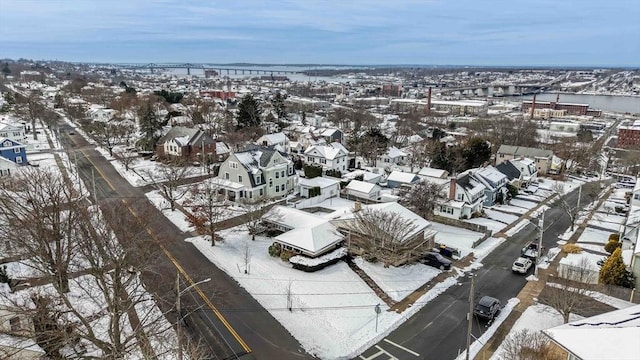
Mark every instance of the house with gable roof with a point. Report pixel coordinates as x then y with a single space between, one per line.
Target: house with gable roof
393 156
392 249
399 178
362 190
302 232
15 132
495 184
332 156
13 151
528 170
542 158
186 143
279 141
514 176
465 197
331 135
256 174
7 167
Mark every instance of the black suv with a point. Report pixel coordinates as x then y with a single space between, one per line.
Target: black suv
436 260
487 308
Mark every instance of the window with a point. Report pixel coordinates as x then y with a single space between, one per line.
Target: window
250 194
16 151
257 179
233 164
261 192
14 322
18 159
277 175
282 173
277 188
309 159
270 182
284 186
240 178
226 176
323 161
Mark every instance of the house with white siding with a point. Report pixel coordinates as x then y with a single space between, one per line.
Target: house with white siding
332 156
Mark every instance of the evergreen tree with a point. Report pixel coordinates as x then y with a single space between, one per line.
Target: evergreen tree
614 272
476 151
150 123
279 107
5 69
249 110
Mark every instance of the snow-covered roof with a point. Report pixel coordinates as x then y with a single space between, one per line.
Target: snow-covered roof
276 138
319 181
591 338
402 177
361 186
492 174
434 173
328 152
393 152
309 232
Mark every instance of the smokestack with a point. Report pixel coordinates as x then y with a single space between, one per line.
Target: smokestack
429 102
533 105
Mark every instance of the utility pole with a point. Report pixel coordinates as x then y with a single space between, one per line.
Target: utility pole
179 309
470 316
93 178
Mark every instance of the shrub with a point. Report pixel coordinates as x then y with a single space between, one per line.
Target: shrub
312 171
275 250
614 272
611 246
334 173
286 255
4 277
571 249
614 237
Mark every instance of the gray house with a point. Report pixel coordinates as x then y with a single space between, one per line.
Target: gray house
257 174
495 184
542 158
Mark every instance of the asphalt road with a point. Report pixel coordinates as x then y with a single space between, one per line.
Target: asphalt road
223 318
439 329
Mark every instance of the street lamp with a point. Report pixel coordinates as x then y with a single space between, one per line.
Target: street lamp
179 310
539 255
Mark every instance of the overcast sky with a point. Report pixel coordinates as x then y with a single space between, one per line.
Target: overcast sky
455 32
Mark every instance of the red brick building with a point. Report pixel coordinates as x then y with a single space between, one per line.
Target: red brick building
219 94
629 136
571 108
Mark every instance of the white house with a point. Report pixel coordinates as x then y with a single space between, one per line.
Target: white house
495 184
327 188
7 167
302 232
278 140
333 156
465 196
393 156
363 190
100 113
15 132
433 173
367 176
527 168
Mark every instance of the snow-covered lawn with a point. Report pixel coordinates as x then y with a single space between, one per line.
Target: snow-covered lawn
593 247
614 227
398 282
523 203
176 217
594 236
512 209
492 225
458 238
335 300
500 216
530 197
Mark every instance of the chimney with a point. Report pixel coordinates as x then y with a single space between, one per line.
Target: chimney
429 102
452 188
357 206
533 105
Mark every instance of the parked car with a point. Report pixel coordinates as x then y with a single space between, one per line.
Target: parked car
487 308
530 250
522 265
436 260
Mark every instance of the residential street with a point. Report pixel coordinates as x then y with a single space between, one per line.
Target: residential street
438 331
219 314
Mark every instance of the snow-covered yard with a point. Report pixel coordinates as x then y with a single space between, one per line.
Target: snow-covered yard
500 216
592 235
492 225
455 237
338 303
398 282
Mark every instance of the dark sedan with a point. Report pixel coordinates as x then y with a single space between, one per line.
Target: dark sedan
436 260
487 308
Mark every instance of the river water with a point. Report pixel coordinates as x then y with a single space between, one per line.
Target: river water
293 77
614 103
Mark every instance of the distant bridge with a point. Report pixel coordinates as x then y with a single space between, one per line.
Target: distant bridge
219 69
495 90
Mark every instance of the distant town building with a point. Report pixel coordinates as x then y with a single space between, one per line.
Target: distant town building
209 73
629 136
570 108
218 94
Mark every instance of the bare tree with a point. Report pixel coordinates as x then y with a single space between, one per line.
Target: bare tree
167 180
246 257
289 294
572 210
253 216
126 158
529 345
114 132
40 219
567 293
385 236
208 207
204 112
423 198
31 107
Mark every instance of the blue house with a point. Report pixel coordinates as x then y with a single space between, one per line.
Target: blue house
495 184
13 151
